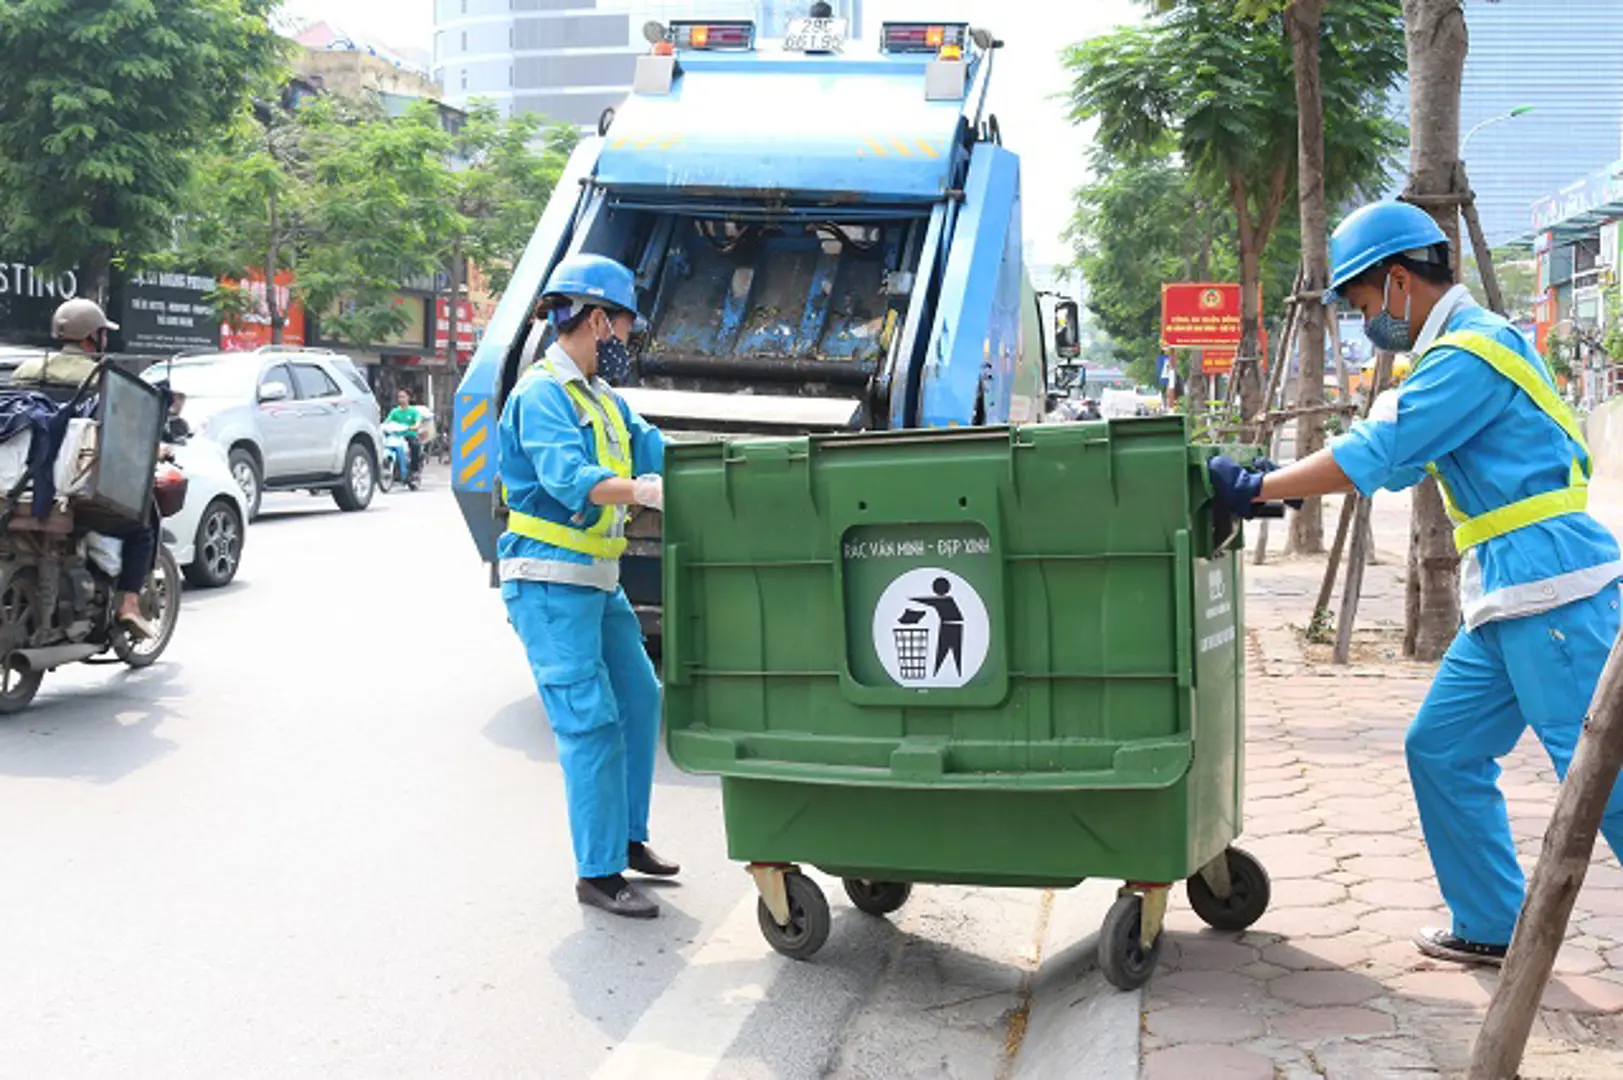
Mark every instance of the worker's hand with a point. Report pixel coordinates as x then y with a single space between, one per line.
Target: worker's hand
1236 486
649 491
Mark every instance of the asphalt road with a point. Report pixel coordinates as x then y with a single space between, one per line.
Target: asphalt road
324 836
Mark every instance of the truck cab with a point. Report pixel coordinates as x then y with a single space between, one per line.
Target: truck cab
825 235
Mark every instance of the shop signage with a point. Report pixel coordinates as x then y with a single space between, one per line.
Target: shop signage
166 313
28 298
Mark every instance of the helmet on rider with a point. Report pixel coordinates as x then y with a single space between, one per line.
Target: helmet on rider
1372 234
78 319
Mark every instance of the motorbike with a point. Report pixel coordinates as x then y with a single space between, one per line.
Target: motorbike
396 465
58 598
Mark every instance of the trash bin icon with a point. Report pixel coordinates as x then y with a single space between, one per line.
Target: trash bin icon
913 646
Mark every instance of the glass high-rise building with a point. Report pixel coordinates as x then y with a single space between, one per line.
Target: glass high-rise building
568 60
1562 59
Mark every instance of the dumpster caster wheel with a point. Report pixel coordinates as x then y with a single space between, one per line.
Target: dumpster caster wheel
1126 963
1247 887
808 919
877 897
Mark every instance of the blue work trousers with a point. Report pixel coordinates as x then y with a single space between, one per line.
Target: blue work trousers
1495 681
602 699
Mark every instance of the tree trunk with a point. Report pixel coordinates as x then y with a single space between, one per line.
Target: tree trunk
1437 43
1304 18
273 306
455 271
99 274
1247 371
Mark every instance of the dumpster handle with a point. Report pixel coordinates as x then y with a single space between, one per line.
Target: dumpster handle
673 628
1184 597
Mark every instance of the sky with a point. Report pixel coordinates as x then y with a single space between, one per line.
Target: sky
1027 75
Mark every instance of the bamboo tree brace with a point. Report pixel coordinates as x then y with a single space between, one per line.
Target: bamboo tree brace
1572 499
605 539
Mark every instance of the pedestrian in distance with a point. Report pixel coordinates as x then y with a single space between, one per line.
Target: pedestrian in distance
574 459
1539 576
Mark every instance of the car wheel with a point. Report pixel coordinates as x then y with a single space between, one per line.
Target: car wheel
360 480
218 547
245 470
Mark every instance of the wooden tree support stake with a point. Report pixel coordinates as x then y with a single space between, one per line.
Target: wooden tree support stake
1362 537
1321 608
1568 844
1268 424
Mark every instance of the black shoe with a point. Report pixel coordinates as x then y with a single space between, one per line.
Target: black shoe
1442 944
625 900
642 859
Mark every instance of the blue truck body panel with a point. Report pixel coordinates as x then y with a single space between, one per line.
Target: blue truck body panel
808 126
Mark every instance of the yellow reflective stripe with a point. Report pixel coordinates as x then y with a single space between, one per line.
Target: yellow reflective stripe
1519 370
550 532
1573 499
1519 515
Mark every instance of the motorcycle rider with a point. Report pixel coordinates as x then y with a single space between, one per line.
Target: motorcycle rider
83 327
410 417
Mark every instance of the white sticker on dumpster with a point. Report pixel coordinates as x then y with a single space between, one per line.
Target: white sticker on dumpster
931 630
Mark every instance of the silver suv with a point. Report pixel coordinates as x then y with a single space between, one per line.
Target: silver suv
288 419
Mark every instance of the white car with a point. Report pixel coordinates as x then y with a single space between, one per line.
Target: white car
206 536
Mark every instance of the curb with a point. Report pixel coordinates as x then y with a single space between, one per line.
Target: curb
1078 1024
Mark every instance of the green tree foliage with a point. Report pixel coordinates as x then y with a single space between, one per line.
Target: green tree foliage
1218 91
100 104
358 204
503 182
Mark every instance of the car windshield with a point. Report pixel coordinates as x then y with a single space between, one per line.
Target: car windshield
207 378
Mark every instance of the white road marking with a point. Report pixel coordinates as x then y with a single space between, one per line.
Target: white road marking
686 1033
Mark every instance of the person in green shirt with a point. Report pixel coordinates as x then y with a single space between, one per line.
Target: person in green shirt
410 417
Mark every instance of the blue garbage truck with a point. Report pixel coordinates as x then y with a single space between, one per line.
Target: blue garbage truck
826 237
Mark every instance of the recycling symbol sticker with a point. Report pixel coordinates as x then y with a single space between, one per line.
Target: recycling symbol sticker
930 629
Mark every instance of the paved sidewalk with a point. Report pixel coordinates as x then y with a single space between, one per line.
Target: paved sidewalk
1327 983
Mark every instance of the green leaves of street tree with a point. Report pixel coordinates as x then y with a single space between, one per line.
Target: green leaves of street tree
360 204
1210 87
100 102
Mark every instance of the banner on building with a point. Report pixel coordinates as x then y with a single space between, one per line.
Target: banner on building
253 329
464 328
1198 315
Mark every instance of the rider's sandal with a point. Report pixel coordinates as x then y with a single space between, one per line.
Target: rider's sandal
139 628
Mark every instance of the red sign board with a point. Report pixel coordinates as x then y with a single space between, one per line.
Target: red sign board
464 327
1217 361
253 329
1194 315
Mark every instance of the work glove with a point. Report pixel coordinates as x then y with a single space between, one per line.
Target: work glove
1236 486
649 490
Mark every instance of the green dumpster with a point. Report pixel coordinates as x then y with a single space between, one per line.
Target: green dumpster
985 656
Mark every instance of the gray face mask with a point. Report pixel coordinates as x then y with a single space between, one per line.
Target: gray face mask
1386 331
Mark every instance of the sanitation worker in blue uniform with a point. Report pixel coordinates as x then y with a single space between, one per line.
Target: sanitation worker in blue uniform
1539 592
574 459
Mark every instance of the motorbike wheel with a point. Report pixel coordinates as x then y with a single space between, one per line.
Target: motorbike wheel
160 603
18 614
386 473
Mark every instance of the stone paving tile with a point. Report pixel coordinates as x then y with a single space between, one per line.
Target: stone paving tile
1326 985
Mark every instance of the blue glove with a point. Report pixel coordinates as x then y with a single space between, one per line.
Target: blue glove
1238 487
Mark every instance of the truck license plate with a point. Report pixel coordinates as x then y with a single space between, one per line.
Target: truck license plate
815 35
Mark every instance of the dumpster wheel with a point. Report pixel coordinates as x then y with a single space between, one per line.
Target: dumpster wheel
877 897
1231 892
808 924
1126 962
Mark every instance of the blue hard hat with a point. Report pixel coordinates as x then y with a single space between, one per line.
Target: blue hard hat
1376 232
594 279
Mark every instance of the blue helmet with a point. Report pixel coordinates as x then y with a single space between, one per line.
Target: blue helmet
1377 232
594 279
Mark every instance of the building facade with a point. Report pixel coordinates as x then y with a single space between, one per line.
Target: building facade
568 60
